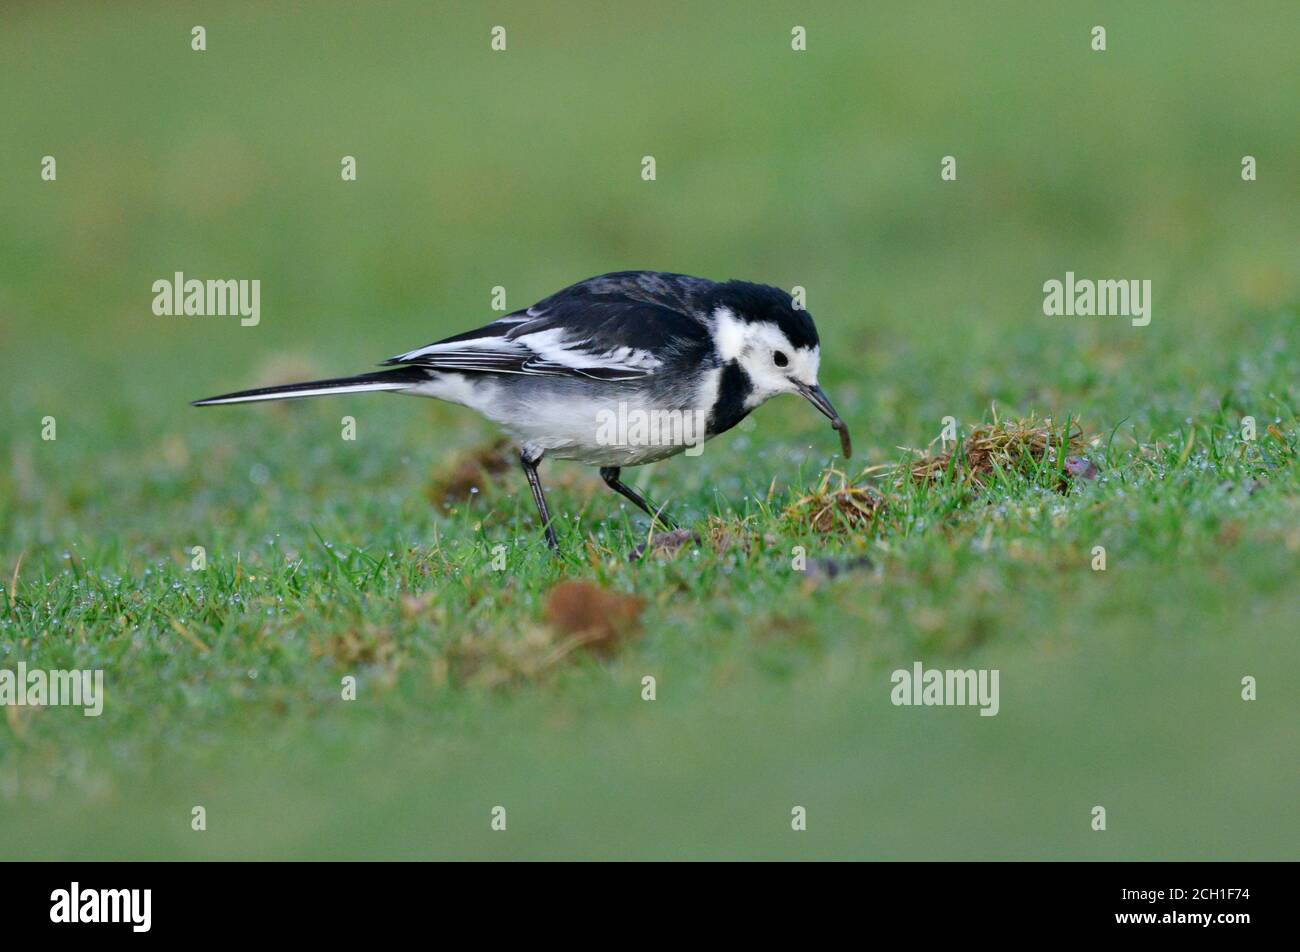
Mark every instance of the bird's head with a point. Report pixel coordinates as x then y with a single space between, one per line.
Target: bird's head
774 343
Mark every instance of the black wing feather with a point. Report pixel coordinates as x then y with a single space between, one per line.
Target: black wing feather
598 325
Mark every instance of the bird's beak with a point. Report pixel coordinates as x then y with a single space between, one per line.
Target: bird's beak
817 397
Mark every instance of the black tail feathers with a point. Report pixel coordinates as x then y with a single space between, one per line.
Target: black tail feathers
399 378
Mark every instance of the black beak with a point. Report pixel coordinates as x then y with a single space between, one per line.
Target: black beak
817 397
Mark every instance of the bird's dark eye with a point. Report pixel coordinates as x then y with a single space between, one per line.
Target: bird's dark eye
780 359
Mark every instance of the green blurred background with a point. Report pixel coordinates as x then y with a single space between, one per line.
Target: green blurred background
522 169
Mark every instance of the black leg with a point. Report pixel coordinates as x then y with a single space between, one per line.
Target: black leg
610 475
530 461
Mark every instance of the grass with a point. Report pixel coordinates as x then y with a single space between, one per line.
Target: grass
373 558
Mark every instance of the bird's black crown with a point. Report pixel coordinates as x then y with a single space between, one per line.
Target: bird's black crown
761 302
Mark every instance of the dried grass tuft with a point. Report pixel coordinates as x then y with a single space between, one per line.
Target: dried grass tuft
835 508
844 504
723 535
1001 446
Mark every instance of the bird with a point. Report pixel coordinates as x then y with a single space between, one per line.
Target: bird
617 370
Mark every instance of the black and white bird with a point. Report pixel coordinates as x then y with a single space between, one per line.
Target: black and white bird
618 370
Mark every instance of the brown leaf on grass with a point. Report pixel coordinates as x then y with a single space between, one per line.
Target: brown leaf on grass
592 617
475 469
841 508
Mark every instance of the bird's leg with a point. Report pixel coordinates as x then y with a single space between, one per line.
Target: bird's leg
610 475
529 459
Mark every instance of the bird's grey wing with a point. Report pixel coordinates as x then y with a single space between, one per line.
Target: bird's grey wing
603 337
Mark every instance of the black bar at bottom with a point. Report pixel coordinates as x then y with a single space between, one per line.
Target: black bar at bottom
1219 901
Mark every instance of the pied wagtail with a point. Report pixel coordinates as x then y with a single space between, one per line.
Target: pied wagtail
634 343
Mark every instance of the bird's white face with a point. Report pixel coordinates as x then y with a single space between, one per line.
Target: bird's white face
773 364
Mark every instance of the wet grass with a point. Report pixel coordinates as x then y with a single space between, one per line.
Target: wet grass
380 558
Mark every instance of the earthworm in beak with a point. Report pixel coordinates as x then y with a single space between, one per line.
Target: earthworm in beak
817 397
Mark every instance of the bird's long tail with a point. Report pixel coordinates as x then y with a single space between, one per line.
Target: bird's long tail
397 379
